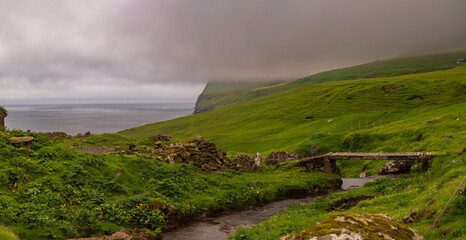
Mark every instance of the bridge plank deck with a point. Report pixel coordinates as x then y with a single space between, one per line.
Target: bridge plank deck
368 156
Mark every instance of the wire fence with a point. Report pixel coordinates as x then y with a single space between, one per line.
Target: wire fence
351 126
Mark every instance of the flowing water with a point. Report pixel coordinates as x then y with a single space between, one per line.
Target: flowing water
219 227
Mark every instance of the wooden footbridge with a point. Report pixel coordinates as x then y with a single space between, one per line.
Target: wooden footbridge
422 156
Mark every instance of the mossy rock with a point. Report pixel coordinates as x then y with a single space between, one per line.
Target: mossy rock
356 226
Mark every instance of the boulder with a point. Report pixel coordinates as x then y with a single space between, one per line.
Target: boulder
356 226
362 175
323 165
407 219
18 140
132 147
463 151
396 167
158 144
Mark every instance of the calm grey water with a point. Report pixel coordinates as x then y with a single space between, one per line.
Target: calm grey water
97 118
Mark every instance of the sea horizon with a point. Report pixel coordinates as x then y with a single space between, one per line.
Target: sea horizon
97 118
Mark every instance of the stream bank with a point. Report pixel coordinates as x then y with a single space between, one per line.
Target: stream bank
223 224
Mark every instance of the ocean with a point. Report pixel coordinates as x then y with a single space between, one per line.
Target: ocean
96 118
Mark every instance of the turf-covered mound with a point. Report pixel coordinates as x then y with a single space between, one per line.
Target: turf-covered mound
355 226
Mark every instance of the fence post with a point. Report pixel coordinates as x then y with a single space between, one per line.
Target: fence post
317 136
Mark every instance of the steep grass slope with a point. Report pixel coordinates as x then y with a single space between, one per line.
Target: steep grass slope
218 95
283 121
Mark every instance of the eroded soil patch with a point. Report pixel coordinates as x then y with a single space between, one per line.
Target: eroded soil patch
347 203
93 149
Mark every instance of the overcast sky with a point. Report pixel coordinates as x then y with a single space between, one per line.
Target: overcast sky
127 50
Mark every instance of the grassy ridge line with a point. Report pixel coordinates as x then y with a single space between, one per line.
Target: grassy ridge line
278 122
218 95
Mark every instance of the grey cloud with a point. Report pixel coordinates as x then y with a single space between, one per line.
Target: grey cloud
60 44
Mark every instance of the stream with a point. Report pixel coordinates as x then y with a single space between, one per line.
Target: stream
224 224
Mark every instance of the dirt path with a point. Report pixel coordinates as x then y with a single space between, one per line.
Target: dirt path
93 149
274 86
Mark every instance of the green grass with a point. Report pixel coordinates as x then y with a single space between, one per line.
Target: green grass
278 122
217 95
7 234
54 192
425 193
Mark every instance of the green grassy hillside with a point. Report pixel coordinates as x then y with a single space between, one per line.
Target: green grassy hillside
218 95
414 112
281 121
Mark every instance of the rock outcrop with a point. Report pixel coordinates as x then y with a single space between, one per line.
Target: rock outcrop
56 135
279 157
396 167
3 114
160 137
198 152
127 234
244 163
276 157
356 226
